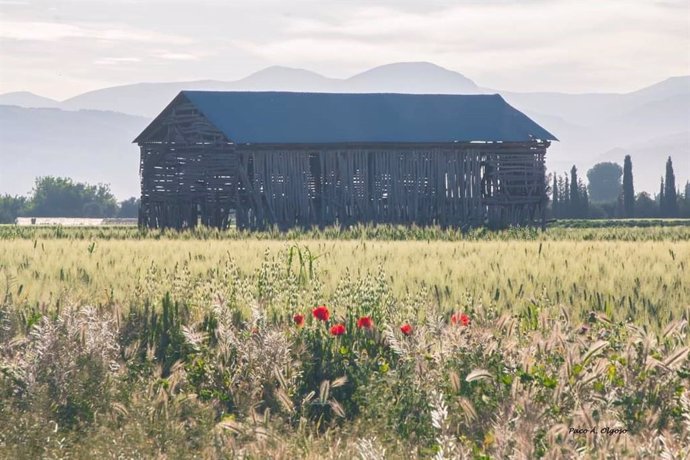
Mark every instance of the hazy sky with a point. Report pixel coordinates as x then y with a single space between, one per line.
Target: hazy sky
60 48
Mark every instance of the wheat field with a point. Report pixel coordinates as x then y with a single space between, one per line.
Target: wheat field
646 280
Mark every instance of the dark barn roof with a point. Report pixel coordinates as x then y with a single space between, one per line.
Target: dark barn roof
323 118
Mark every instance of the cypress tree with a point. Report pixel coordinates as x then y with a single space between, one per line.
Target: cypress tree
554 194
628 188
583 211
662 206
561 197
574 193
566 198
670 194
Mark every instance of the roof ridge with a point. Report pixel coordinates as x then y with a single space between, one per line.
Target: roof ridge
485 95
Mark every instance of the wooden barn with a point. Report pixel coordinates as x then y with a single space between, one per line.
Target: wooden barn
316 159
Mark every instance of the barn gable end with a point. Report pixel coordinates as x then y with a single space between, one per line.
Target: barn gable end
188 170
182 122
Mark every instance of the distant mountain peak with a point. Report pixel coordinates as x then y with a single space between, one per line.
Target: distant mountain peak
413 77
273 69
26 99
409 66
685 78
670 87
277 71
20 93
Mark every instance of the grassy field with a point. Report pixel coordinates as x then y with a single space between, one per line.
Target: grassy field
117 342
577 230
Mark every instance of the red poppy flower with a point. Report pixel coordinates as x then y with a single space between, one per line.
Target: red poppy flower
365 322
406 329
338 329
463 319
298 319
321 313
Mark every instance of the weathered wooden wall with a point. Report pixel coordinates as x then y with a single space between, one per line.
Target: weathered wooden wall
187 185
466 185
288 187
380 184
514 189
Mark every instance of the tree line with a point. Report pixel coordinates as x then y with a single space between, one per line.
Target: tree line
62 197
607 196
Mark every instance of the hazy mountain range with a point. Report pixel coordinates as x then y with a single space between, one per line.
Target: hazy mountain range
88 137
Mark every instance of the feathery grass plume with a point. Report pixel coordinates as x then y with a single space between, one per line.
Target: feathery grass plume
478 374
439 420
676 358
369 449
399 347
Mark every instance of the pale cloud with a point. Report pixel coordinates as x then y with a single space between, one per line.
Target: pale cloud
40 31
116 60
47 31
175 56
680 4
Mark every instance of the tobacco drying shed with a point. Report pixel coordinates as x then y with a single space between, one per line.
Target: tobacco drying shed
265 159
